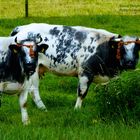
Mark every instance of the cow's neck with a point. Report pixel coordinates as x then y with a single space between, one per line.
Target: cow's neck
107 54
113 63
96 64
105 61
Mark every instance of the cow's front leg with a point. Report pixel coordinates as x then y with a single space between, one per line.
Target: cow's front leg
23 105
34 91
85 80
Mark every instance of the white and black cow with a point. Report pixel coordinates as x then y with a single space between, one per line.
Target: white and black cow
83 52
18 61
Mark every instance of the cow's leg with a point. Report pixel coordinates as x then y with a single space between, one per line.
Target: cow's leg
23 105
34 91
85 80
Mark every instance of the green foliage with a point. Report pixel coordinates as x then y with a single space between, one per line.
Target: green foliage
124 25
120 98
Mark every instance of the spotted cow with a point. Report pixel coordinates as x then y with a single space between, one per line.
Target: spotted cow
86 53
18 61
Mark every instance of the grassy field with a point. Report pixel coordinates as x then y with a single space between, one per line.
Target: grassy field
61 122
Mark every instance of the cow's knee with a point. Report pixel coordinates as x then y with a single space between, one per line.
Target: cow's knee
37 99
83 86
84 83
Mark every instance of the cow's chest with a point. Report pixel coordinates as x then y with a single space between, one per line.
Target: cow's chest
11 87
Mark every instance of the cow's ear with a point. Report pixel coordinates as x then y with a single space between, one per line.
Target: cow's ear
42 48
138 42
115 42
119 36
14 48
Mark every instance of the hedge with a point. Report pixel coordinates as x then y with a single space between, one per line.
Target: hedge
120 98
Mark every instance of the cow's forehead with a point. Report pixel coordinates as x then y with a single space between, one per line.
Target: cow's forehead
129 46
28 36
128 38
28 43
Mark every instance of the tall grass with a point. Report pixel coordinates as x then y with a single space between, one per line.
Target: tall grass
97 132
117 16
61 121
59 93
64 8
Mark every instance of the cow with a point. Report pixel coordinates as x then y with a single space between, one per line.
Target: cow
18 62
86 53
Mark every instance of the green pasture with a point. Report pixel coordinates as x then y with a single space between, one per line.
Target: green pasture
61 122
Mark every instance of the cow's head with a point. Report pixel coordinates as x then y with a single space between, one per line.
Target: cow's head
127 51
26 49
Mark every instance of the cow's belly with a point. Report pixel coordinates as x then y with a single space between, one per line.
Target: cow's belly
11 87
65 73
60 69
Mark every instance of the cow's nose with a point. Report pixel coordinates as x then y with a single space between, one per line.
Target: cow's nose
130 62
29 64
30 68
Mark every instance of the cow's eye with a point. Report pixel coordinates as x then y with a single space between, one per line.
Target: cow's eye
125 43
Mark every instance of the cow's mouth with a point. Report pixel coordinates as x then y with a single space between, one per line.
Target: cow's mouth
129 65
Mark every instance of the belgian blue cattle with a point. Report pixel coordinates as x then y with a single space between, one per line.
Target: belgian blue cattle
86 53
18 61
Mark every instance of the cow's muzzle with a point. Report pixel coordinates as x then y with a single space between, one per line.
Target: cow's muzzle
129 64
29 68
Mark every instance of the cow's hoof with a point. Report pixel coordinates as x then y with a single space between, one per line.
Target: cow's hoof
77 108
27 122
43 109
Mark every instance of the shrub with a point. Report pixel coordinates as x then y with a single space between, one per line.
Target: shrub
120 98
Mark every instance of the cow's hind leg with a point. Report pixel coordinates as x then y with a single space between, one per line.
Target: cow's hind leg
85 80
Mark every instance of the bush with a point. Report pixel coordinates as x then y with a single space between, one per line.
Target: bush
120 98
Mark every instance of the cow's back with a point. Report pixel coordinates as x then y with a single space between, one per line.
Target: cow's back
68 46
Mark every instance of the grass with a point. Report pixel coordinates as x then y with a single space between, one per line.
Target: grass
64 8
97 132
59 93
